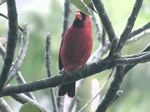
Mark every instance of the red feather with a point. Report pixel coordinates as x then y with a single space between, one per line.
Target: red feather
75 49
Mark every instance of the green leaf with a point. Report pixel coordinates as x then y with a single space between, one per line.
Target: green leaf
80 5
30 107
89 4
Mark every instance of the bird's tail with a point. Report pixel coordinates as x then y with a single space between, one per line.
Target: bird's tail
67 88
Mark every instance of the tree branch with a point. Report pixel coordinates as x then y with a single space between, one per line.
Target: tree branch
61 78
131 20
75 75
2 2
21 55
66 16
99 91
4 16
139 30
115 85
104 18
49 72
129 67
97 26
112 90
20 79
138 36
4 107
24 99
12 40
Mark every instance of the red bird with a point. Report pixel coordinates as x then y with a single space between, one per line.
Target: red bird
75 49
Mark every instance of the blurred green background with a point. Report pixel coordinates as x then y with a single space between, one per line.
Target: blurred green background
46 16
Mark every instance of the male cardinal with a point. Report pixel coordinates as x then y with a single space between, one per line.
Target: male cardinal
75 49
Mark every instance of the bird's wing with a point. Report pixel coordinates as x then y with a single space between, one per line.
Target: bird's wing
60 62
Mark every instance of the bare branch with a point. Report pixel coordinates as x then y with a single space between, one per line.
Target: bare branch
21 80
97 26
103 36
138 36
2 1
129 67
113 47
140 30
21 55
131 20
75 75
141 58
59 79
4 16
105 19
4 107
66 16
48 67
91 100
24 99
12 40
112 90
99 53
2 51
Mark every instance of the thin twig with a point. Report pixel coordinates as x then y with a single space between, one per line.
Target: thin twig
48 67
99 53
112 90
24 99
20 79
105 19
139 30
138 36
131 20
12 40
2 51
21 55
4 107
97 26
129 67
4 16
2 2
135 60
66 16
92 99
103 36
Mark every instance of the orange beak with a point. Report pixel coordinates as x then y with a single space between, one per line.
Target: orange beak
78 15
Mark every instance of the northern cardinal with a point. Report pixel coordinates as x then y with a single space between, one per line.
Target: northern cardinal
75 49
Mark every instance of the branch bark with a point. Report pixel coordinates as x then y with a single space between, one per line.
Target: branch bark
12 40
115 85
105 19
49 71
139 30
131 20
75 75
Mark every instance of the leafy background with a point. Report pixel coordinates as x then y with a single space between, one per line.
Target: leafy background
46 16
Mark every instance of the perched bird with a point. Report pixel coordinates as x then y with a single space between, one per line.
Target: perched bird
75 49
